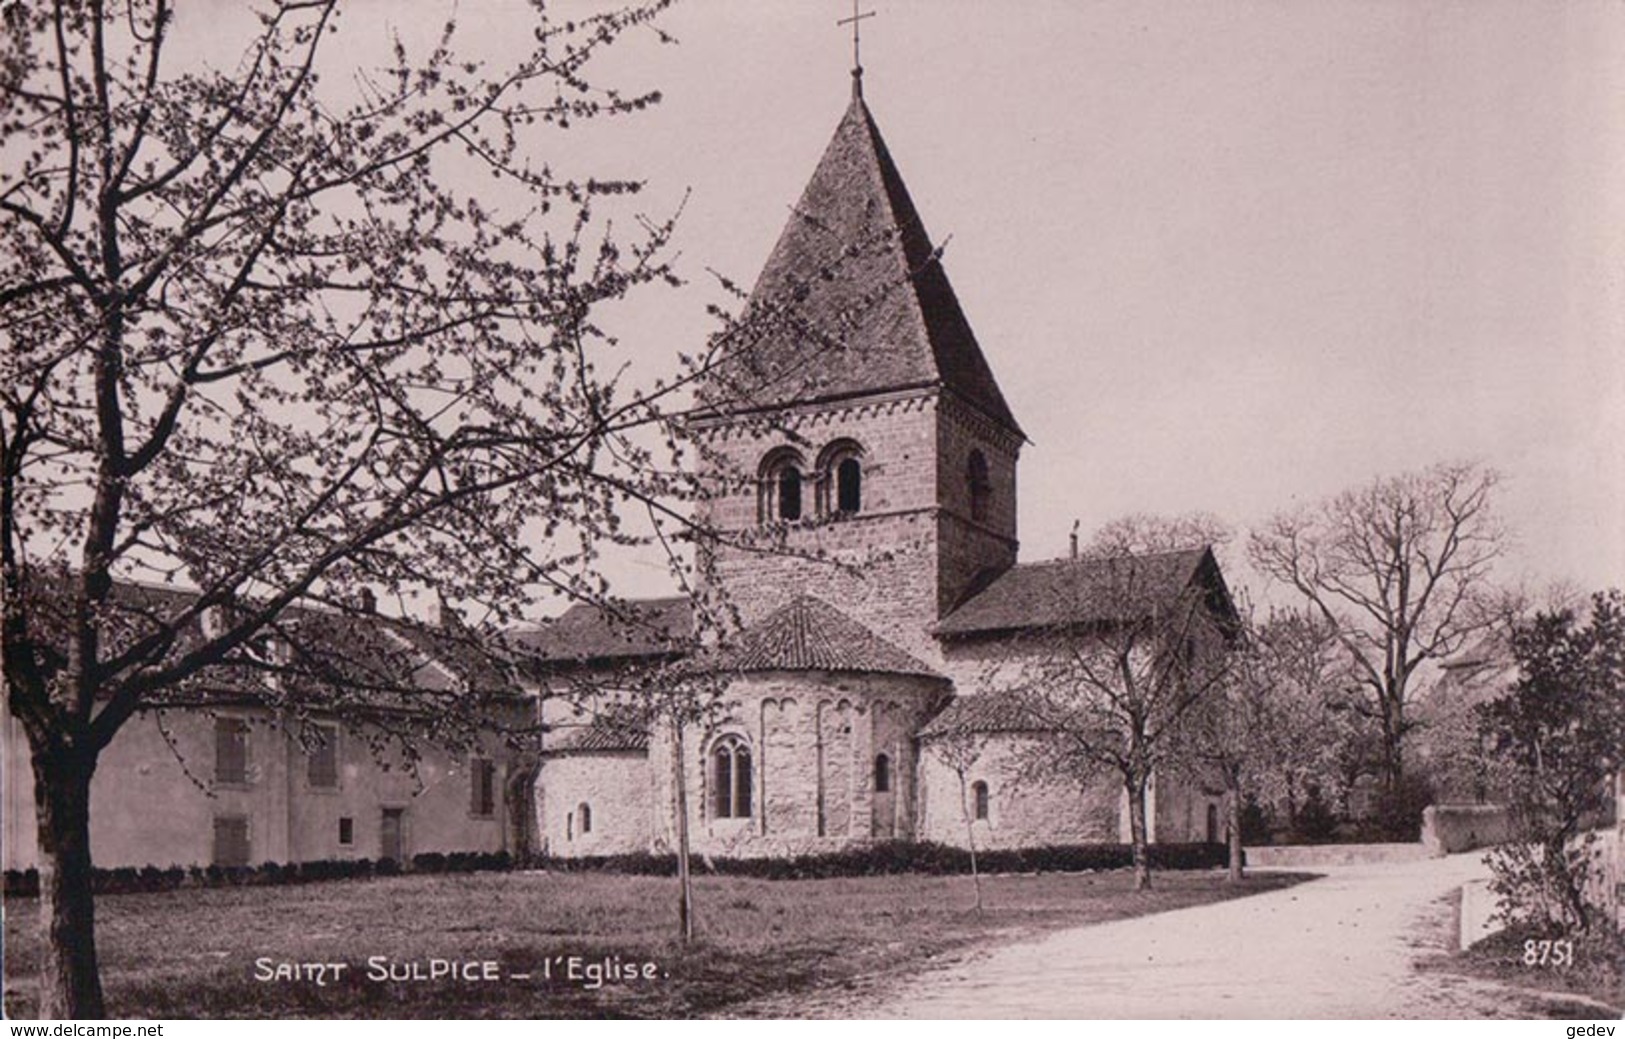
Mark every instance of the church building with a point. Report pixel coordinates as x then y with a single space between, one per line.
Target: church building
863 464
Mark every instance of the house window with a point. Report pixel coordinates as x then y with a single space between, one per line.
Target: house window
322 765
346 830
979 800
981 488
882 774
482 787
584 813
730 779
781 487
230 750
231 840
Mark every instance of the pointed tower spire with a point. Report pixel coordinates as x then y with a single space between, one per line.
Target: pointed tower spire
857 61
866 306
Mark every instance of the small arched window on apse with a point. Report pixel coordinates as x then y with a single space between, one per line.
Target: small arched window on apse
882 774
979 800
779 483
840 478
981 487
584 813
730 778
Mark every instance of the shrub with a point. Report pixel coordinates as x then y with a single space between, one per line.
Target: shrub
1399 810
1255 822
1315 821
894 857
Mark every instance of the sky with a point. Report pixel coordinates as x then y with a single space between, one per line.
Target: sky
1230 256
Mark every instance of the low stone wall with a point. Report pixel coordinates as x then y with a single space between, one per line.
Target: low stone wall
1447 829
1292 855
1478 906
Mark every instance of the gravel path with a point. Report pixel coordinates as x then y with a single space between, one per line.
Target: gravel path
1339 947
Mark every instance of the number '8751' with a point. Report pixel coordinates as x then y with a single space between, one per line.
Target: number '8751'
1548 953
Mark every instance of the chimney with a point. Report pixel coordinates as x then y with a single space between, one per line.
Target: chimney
367 601
1075 538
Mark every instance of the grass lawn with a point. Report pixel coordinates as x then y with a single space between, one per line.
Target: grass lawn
187 954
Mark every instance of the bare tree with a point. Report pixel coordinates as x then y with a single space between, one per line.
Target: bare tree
1399 568
960 750
260 345
1133 643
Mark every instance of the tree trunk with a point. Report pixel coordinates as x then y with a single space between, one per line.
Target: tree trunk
1137 835
685 896
1234 811
70 980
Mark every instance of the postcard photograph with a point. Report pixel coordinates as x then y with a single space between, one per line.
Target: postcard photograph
812 509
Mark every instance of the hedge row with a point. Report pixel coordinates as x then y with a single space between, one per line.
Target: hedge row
893 857
150 878
913 857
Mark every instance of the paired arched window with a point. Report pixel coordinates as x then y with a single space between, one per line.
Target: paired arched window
584 813
730 778
979 800
837 483
882 774
780 483
981 487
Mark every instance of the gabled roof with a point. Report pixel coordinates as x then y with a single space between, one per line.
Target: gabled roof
983 713
626 630
318 654
1085 591
865 304
811 635
604 733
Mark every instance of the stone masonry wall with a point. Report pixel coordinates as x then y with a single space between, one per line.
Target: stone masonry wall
1022 811
968 547
881 567
813 737
619 791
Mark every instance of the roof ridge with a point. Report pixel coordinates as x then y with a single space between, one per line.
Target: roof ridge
1085 558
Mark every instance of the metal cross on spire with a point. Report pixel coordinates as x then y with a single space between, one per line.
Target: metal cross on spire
857 64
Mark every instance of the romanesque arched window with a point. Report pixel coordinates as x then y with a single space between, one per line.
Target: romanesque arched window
882 774
840 478
979 800
848 486
981 488
730 778
779 483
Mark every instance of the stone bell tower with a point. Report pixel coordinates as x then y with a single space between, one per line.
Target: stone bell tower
858 446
